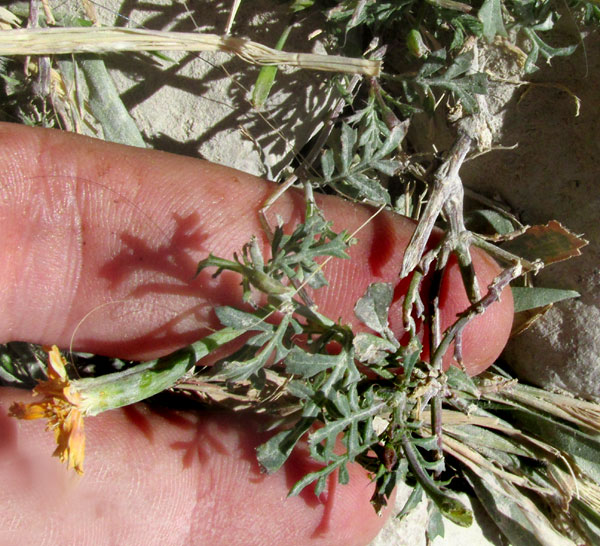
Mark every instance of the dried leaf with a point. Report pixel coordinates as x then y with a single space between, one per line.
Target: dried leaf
525 319
515 514
550 243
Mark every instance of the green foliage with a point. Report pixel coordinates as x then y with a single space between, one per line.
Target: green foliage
362 397
353 166
21 365
435 74
537 296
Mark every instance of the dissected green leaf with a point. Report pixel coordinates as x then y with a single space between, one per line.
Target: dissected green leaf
299 362
271 347
273 453
454 79
241 320
526 298
538 46
414 499
447 501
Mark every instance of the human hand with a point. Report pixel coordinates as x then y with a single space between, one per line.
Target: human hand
101 243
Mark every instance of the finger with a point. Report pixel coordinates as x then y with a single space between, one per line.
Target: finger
102 242
169 478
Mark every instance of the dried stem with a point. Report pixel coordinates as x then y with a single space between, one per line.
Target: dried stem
447 196
51 41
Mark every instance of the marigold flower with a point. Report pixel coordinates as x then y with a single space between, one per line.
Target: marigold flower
61 407
67 401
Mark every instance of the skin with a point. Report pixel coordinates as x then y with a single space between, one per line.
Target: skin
100 244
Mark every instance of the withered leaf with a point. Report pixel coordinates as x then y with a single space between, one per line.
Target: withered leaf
550 243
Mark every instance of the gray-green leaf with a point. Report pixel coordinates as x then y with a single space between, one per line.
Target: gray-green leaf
533 297
490 14
373 308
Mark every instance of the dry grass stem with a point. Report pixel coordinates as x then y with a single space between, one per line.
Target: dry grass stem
50 41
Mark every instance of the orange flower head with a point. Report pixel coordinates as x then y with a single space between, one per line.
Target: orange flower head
61 406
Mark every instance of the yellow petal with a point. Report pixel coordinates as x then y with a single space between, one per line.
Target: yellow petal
70 439
60 405
56 364
27 411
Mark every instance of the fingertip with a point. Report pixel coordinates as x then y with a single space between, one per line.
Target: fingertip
157 475
486 335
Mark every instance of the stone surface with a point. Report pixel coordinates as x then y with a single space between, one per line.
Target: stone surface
554 174
410 531
200 105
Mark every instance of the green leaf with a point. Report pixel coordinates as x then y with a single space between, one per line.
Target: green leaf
533 297
588 519
364 188
386 166
107 107
320 476
21 365
539 46
459 380
447 501
478 437
412 502
241 320
348 141
306 365
274 452
582 447
460 65
519 519
391 143
299 5
462 86
490 14
266 76
240 370
327 164
372 349
479 220
373 308
352 414
435 523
